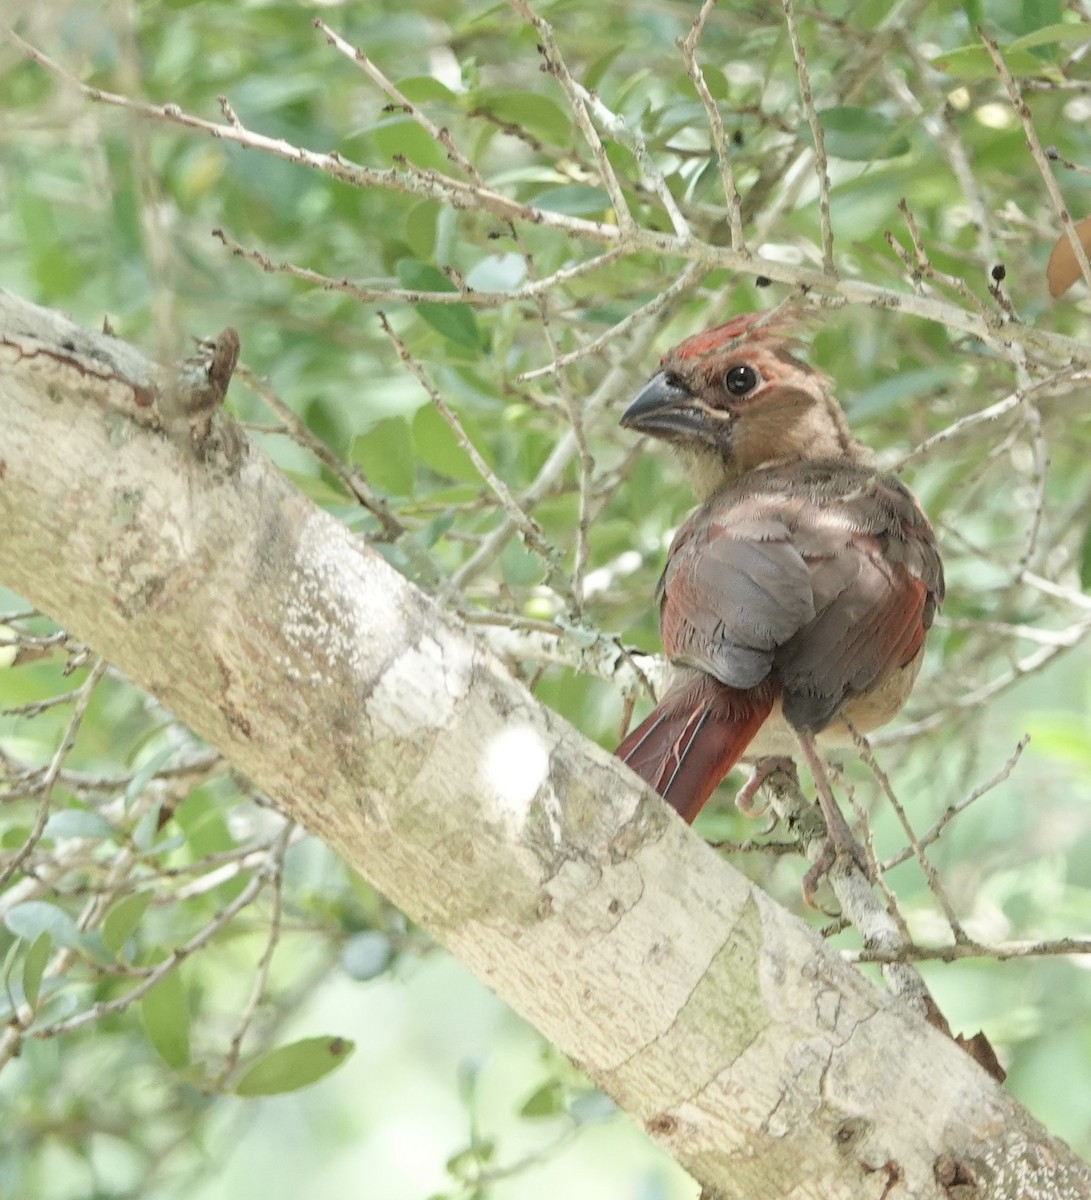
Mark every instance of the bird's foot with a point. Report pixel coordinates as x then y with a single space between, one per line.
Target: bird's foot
762 770
839 851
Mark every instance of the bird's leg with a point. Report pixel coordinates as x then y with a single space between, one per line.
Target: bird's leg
762 769
840 841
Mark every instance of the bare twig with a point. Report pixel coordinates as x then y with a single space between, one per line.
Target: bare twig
1022 110
688 46
820 165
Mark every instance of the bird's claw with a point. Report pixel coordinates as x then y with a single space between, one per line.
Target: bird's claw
759 773
839 850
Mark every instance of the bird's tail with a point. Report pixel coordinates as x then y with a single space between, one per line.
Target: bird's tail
690 742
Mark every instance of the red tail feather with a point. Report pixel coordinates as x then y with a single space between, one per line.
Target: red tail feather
683 750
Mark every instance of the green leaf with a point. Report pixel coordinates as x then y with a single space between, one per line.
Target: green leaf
289 1068
385 455
146 772
34 917
974 62
8 969
593 73
121 921
420 228
574 200
77 823
419 88
466 1164
34 967
897 389
521 567
547 1101
438 448
146 829
975 12
399 137
456 322
315 488
861 134
164 1012
203 824
1050 35
529 112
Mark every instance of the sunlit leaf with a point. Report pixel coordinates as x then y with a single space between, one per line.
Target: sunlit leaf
289 1068
497 273
9 648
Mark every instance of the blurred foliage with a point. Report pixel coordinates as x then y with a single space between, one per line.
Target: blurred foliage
145 840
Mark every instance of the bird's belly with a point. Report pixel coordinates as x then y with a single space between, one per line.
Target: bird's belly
776 737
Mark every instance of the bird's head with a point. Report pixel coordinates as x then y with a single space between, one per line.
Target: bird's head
735 398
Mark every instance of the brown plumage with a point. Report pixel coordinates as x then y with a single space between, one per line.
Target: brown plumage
801 589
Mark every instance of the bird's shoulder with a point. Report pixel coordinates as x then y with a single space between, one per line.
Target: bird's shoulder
819 508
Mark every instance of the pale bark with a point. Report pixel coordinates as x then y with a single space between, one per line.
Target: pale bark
741 1043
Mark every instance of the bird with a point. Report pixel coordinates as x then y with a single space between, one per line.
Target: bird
796 597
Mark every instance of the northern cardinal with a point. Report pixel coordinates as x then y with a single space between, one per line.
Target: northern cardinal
801 589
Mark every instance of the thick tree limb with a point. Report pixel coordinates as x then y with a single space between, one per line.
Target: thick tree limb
761 1061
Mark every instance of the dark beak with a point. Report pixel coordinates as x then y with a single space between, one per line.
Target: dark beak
664 408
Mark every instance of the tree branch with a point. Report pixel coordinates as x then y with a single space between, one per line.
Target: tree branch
750 1051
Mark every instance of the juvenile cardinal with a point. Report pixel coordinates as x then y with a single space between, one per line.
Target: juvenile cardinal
801 589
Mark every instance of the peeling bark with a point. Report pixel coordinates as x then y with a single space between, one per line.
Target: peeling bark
750 1051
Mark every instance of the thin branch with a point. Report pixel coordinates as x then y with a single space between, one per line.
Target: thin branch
388 294
821 167
442 137
1022 110
688 46
350 478
577 101
930 874
996 330
953 810
686 280
530 529
1000 951
261 972
49 777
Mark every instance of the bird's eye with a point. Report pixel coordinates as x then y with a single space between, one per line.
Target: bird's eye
740 380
